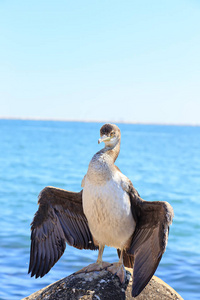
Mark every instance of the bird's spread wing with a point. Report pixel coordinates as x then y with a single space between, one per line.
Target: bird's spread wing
149 239
59 219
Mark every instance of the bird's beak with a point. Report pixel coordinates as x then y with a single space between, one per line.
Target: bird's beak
104 138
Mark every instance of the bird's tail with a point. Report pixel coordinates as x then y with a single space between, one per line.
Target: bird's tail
128 259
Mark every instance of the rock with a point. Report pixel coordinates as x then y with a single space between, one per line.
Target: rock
103 285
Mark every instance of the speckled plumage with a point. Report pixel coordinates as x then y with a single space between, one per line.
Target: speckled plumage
108 209
105 203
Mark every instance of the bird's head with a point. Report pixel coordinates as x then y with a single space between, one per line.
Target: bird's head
110 135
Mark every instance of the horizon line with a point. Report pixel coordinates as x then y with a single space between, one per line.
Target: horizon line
96 121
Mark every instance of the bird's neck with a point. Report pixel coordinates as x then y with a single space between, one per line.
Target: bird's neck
101 167
110 152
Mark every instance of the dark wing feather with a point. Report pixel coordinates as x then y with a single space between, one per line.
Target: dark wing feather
59 219
149 239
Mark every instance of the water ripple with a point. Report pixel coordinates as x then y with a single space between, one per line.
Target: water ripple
163 163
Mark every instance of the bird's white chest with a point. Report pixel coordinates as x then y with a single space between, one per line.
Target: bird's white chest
108 210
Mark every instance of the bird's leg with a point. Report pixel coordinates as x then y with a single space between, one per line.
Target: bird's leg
118 268
98 266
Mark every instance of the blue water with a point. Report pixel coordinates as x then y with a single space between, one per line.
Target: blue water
163 162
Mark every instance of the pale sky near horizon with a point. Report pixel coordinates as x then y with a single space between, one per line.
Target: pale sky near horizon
130 61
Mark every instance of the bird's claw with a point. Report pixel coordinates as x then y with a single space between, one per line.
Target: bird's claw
119 270
94 267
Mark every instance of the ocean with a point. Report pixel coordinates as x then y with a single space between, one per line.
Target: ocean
163 163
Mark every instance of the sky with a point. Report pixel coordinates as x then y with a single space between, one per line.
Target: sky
120 61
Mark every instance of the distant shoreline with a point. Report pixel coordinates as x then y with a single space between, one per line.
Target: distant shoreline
97 121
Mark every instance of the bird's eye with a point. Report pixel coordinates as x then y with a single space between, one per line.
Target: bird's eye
112 134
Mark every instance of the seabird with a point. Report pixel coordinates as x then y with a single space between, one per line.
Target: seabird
107 211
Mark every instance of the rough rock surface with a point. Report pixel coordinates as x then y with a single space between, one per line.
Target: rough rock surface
102 285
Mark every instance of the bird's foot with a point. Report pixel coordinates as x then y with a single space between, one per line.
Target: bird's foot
119 270
98 266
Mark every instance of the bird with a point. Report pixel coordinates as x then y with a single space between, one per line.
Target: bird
108 211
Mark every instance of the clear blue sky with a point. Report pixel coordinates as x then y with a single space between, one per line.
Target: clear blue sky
134 61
